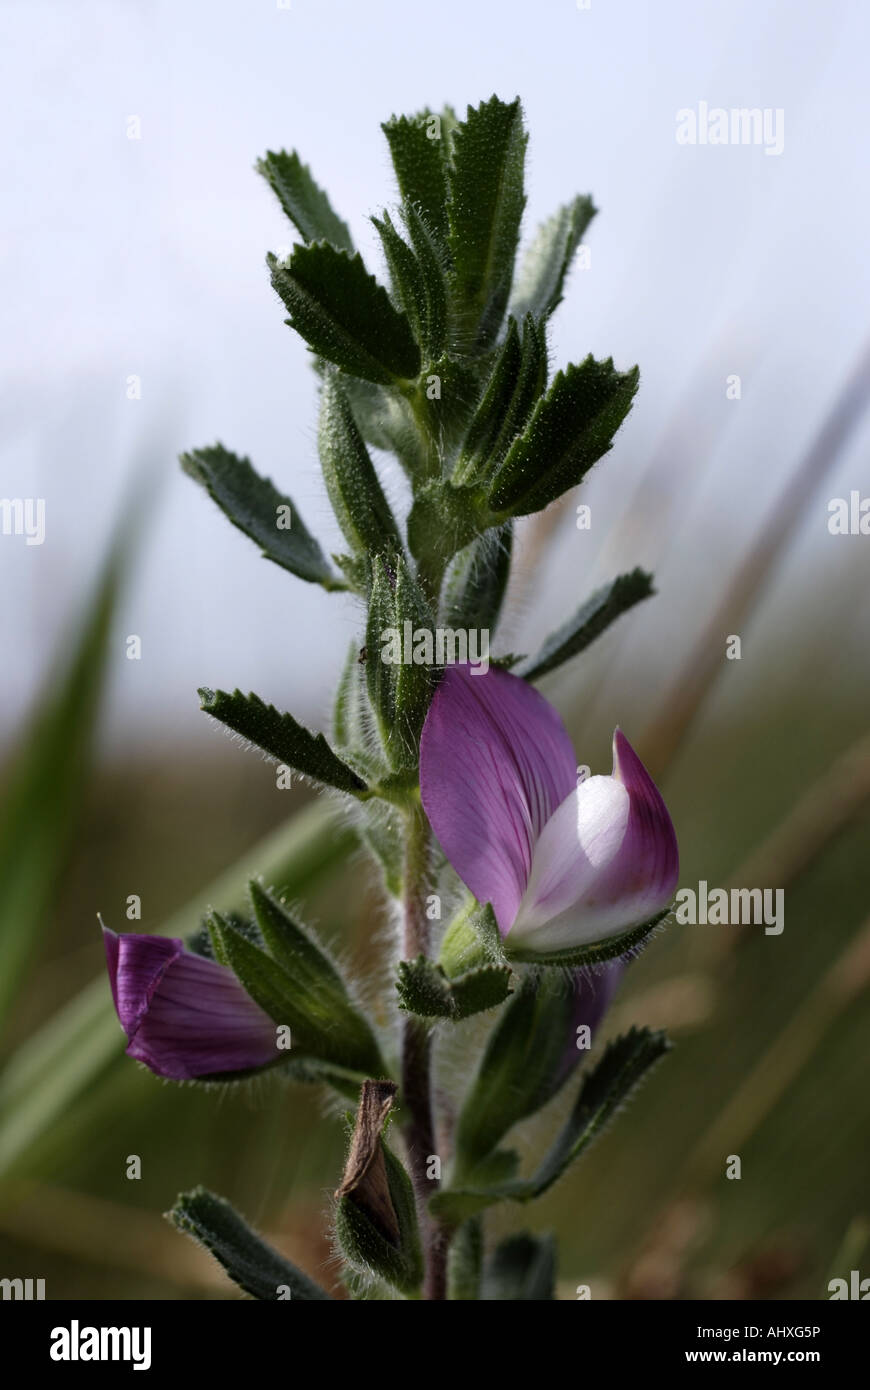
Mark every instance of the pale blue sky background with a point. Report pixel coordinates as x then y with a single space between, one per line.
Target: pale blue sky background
146 257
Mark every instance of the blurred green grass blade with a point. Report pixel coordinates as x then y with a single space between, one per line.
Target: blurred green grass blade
82 1041
41 802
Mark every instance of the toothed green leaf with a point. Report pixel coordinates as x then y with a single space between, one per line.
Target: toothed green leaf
485 207
281 737
421 165
604 1090
406 275
357 498
541 281
267 516
425 989
299 988
569 430
518 380
345 315
431 262
517 1073
400 691
591 619
248 1260
306 204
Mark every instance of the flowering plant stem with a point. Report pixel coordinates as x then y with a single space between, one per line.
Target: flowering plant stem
417 1060
417 1087
568 878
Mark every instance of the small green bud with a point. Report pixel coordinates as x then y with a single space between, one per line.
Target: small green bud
376 1217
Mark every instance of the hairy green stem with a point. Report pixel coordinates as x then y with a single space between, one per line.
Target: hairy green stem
417 1058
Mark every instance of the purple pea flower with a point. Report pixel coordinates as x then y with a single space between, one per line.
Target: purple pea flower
184 1015
563 864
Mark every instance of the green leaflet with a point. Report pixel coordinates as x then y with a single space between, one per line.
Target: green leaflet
281 737
431 262
426 990
516 1074
307 206
383 832
247 1259
418 278
483 431
400 691
355 492
267 516
352 722
298 987
406 275
541 281
297 952
420 162
530 385
518 379
569 430
591 619
380 674
604 1090
485 207
414 682
345 315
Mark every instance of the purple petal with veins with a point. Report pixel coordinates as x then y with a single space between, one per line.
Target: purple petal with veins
184 1015
495 762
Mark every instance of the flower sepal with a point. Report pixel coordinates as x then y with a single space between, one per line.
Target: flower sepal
472 941
375 1216
296 984
592 953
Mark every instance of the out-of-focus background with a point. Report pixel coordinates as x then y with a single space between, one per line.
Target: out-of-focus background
139 321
